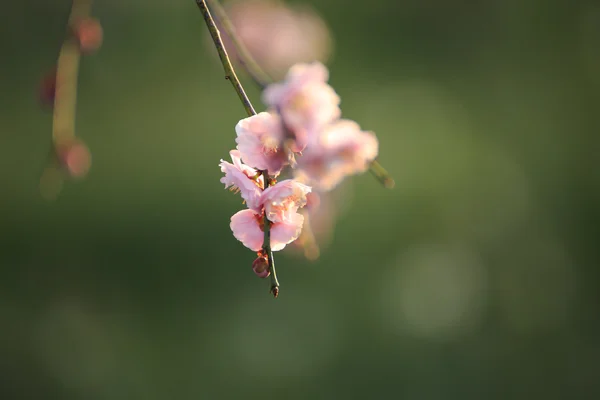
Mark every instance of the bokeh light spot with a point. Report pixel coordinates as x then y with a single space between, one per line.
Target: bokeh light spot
434 292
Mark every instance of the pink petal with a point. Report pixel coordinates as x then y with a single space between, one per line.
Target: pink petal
308 72
283 199
250 172
342 149
236 176
305 100
246 228
355 147
283 233
259 139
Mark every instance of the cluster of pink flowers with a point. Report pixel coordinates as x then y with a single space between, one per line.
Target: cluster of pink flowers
303 135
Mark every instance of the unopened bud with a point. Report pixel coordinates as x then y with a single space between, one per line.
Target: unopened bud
76 158
275 291
89 33
261 266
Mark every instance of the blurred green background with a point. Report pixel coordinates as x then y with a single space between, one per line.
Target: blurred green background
476 277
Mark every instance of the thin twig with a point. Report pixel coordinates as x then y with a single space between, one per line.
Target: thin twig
229 71
381 174
260 77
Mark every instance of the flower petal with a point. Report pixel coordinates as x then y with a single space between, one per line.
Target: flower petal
246 228
283 233
305 100
259 140
342 149
284 199
236 176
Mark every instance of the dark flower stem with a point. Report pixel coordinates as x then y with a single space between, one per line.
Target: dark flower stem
239 89
267 246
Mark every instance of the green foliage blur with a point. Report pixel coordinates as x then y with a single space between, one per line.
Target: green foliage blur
475 278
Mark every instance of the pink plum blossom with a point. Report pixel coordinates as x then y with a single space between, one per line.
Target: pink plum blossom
285 232
247 227
305 101
239 176
259 141
280 202
340 150
284 199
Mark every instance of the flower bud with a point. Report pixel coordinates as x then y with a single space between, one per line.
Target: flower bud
261 266
89 33
75 158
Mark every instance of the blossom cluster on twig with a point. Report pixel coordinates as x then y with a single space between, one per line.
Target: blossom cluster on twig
302 135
